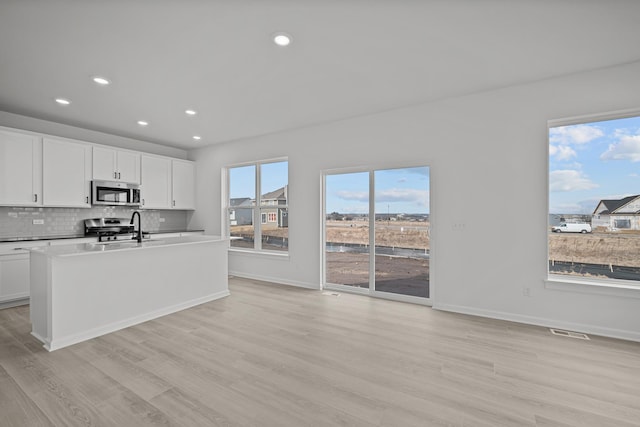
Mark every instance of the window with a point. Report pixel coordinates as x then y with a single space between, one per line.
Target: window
594 200
259 220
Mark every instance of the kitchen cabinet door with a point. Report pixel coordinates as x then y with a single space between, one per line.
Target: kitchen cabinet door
66 173
183 184
110 164
104 164
128 166
20 169
14 276
156 182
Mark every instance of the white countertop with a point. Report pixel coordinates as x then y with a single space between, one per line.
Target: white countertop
126 245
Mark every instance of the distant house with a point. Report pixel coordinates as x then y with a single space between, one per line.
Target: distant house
238 215
620 214
276 216
240 212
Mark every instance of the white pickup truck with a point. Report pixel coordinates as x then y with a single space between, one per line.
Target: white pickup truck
569 227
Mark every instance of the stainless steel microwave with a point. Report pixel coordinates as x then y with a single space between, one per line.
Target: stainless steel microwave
115 193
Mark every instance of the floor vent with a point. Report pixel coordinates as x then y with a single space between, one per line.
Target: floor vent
570 334
331 294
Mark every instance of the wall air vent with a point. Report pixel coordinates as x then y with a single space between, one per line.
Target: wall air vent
570 334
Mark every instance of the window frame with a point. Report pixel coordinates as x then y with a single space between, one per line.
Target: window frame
257 208
607 286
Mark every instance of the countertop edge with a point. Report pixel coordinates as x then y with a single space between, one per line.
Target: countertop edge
81 236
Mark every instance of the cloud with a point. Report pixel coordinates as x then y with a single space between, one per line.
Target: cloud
360 196
574 135
627 148
392 195
569 180
584 207
406 195
562 152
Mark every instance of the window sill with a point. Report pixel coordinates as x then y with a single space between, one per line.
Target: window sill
269 254
618 288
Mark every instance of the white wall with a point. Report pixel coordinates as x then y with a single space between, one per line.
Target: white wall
58 129
488 158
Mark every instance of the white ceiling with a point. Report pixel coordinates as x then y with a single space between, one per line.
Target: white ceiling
348 58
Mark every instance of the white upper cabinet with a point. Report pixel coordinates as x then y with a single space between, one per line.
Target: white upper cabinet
156 182
66 173
20 169
183 184
111 164
167 183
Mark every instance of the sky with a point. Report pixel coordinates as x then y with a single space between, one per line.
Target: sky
593 161
242 180
404 190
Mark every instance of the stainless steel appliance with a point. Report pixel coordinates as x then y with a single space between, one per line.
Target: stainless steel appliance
109 228
115 193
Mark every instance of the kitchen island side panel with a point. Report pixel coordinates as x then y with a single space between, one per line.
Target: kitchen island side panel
40 304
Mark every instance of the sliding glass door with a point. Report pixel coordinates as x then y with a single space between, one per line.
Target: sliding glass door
387 210
401 238
347 229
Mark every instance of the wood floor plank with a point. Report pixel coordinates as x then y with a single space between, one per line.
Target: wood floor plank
275 355
16 408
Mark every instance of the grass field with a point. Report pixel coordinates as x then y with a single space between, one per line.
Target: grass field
402 234
602 248
621 249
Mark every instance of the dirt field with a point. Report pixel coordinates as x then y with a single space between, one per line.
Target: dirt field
406 276
397 275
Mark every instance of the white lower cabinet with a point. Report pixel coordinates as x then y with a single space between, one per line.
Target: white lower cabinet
15 265
14 272
14 276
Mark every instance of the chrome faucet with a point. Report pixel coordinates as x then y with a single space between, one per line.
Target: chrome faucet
139 236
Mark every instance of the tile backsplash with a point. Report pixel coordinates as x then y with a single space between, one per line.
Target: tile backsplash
50 222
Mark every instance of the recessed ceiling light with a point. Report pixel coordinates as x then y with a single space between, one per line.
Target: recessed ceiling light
63 101
282 39
101 81
142 123
190 112
197 138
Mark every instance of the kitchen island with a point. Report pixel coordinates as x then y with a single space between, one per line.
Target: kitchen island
81 291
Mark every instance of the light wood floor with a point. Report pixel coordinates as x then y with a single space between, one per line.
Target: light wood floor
272 355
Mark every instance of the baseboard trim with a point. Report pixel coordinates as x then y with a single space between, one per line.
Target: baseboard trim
277 280
58 343
14 303
539 321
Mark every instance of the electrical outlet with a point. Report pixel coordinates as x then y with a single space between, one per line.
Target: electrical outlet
161 219
526 292
38 222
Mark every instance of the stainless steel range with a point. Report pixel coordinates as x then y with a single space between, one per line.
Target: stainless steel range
109 228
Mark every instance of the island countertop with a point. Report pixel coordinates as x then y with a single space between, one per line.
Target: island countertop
122 245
